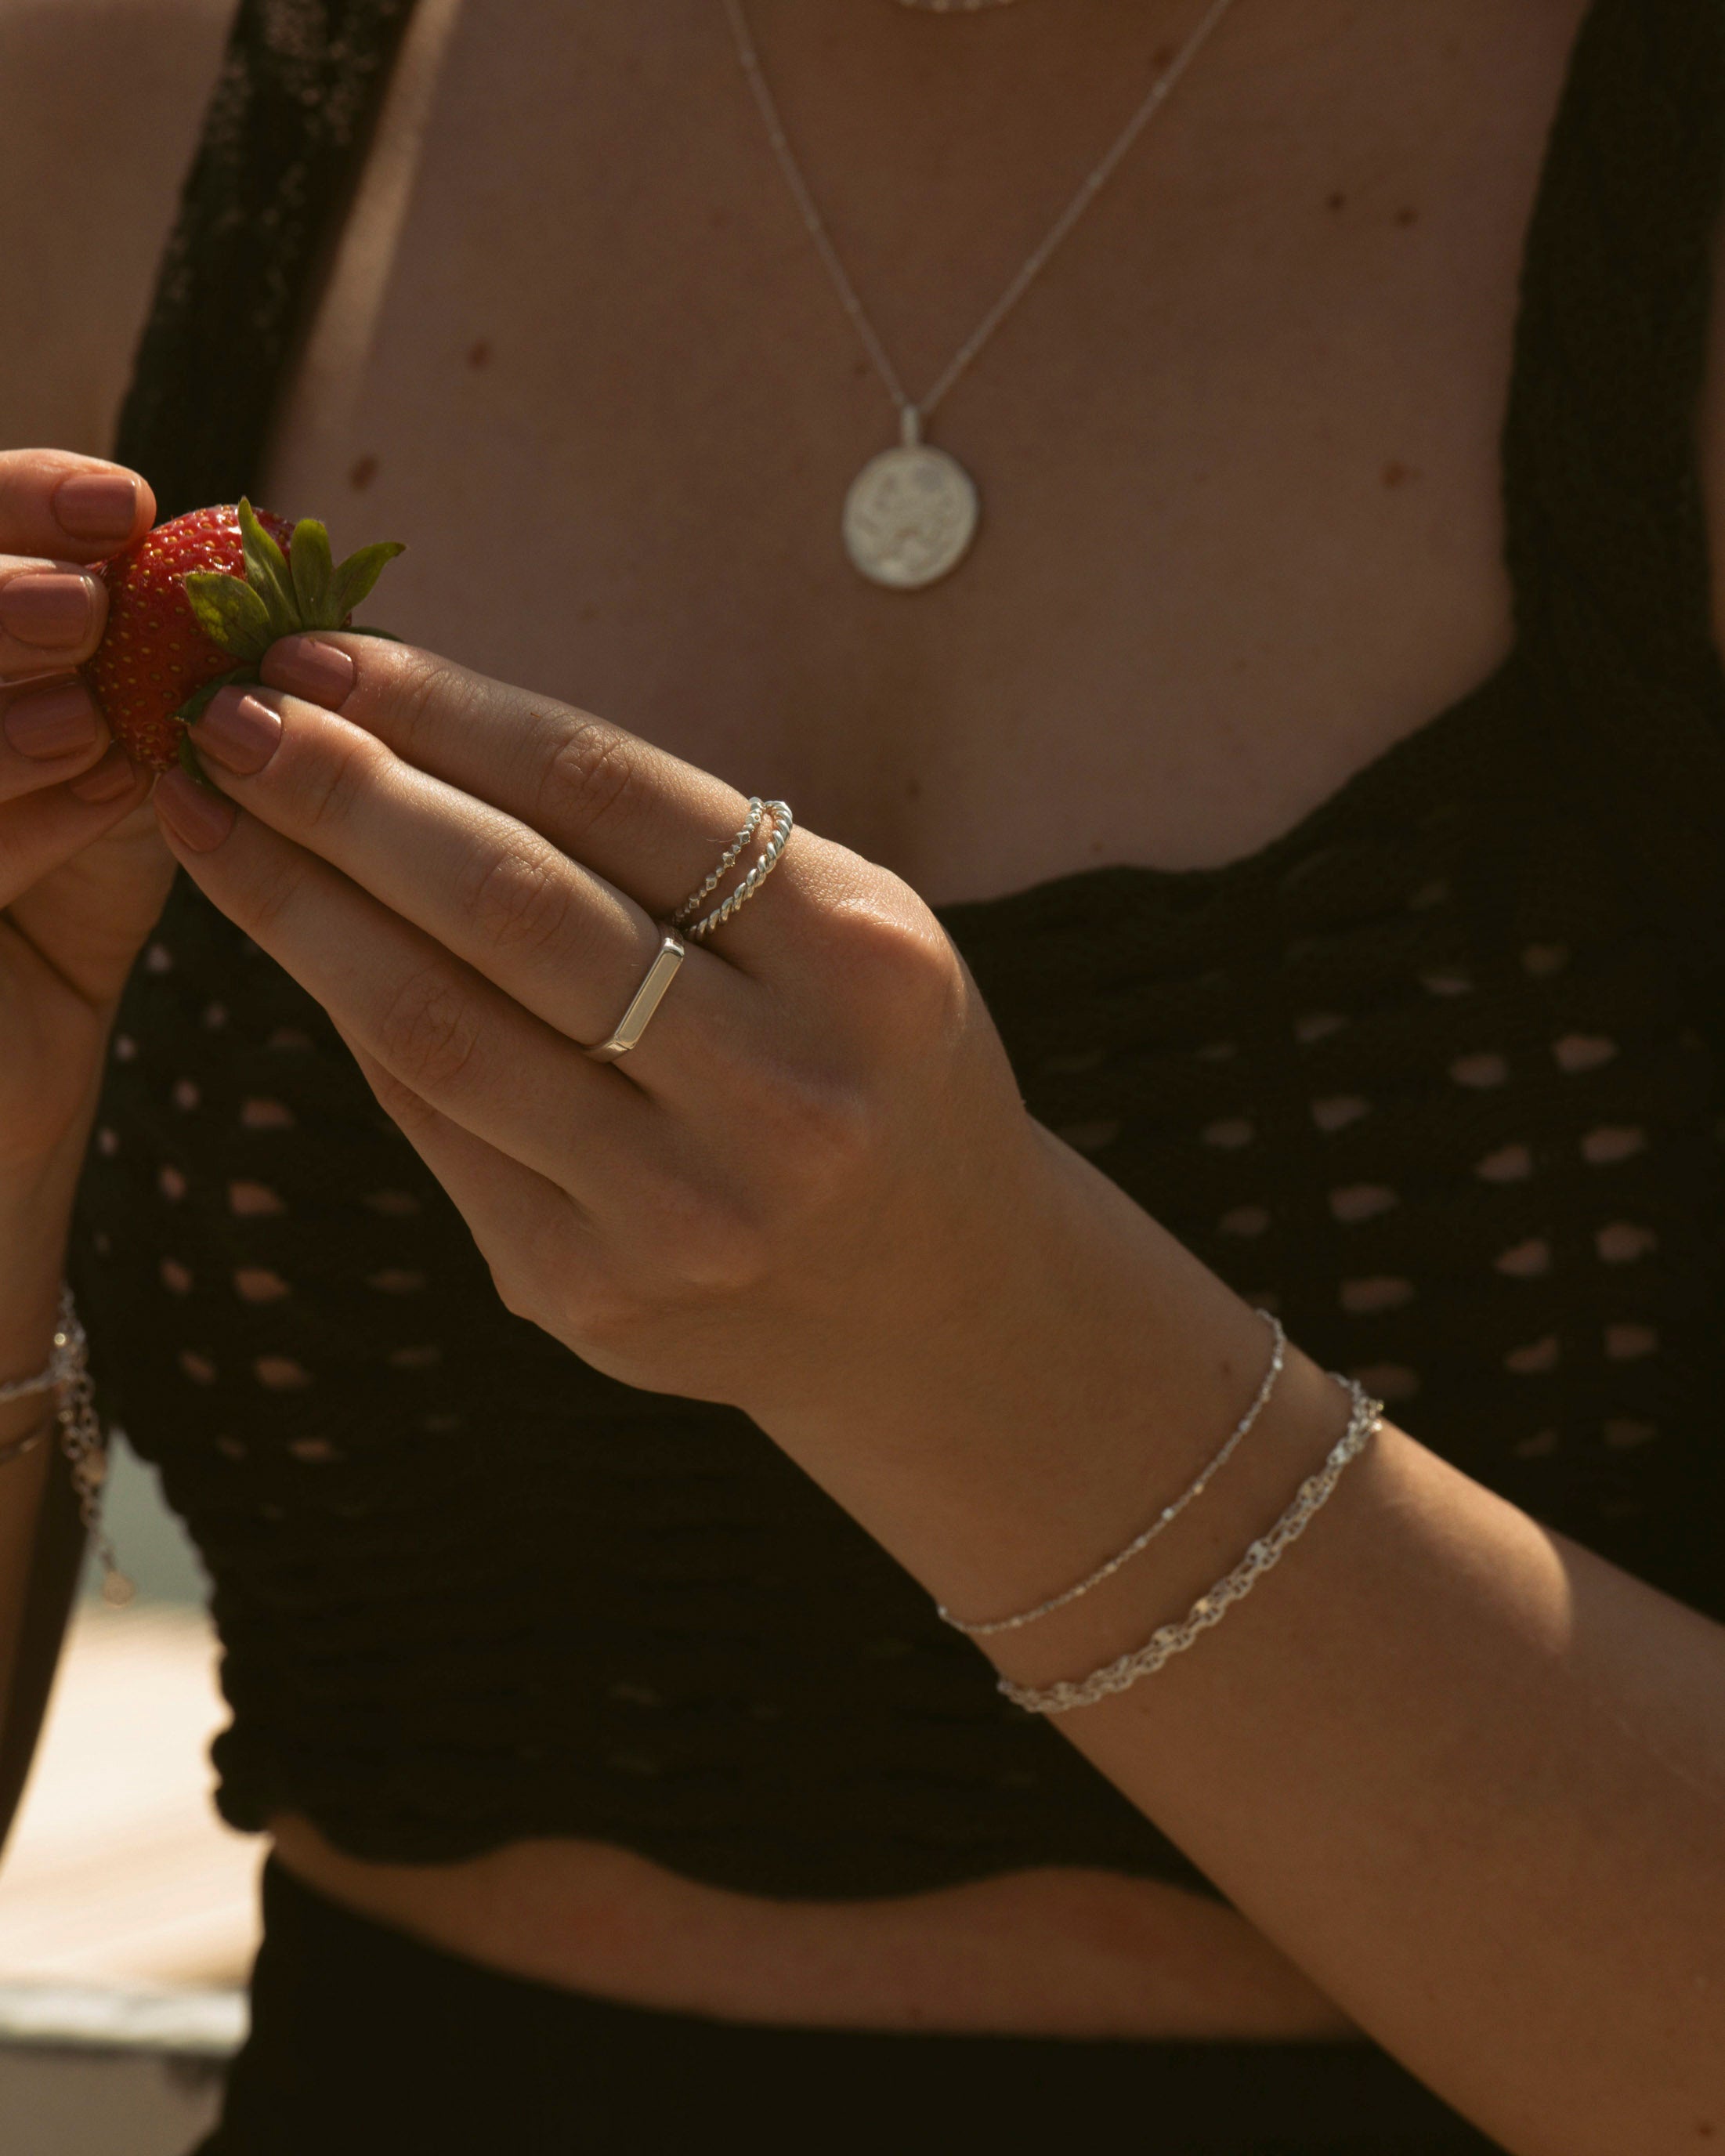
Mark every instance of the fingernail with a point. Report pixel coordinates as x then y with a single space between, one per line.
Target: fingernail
54 721
197 818
48 608
107 781
96 505
318 672
238 732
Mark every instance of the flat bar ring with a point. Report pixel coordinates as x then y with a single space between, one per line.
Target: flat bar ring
645 1000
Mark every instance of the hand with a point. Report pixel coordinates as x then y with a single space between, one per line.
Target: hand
816 1152
82 871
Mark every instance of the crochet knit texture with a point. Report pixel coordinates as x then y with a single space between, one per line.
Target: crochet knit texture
1436 1076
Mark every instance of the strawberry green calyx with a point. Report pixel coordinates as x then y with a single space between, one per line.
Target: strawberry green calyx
280 593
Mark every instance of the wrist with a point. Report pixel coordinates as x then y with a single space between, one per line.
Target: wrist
1011 1424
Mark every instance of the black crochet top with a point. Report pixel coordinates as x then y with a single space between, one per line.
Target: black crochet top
1437 1073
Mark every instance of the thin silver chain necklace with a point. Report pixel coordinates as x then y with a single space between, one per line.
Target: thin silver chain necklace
913 512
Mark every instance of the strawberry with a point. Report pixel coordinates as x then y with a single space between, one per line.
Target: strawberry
197 601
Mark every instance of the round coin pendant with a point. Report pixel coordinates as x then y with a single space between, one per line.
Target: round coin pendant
910 516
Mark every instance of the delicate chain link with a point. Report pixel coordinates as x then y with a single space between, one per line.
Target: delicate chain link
912 413
727 861
1210 1609
80 1430
44 1381
1165 1518
765 862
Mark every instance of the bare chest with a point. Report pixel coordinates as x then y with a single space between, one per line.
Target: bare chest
1237 449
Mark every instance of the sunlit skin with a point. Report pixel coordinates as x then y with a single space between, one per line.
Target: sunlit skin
1240 464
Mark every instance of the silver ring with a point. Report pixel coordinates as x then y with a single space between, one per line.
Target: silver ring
765 862
645 1000
727 861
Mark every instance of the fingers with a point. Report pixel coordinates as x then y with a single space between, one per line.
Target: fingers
431 1022
69 508
509 1208
647 822
556 938
52 615
49 730
40 832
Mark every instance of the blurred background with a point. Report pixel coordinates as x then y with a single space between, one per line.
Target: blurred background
127 1910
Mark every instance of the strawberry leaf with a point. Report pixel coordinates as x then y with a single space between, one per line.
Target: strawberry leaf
266 570
231 612
190 765
314 574
357 574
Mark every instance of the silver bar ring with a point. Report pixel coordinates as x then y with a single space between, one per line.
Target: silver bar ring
645 1000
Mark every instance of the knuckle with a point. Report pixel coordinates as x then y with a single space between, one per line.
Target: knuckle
266 898
905 972
518 900
397 1098
428 1030
325 783
415 683
590 777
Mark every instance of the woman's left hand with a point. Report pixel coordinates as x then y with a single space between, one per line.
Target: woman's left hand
816 1154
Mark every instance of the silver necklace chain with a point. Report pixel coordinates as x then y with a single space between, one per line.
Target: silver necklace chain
912 412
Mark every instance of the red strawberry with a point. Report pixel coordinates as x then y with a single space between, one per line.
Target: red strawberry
197 601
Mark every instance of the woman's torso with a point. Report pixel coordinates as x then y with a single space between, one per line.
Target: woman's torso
1239 453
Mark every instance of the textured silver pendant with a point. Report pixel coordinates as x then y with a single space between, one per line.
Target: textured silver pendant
910 516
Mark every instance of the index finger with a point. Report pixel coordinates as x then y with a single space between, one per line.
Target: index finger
647 822
67 507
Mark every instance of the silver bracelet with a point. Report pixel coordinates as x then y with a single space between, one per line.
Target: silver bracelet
1171 1639
1165 1518
67 1375
61 1362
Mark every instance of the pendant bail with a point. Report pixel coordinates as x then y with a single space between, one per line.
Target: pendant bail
910 427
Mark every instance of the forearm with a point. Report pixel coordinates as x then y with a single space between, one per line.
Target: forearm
1470 1779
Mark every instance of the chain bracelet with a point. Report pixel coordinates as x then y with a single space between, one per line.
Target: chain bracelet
1165 1518
82 1441
1210 1609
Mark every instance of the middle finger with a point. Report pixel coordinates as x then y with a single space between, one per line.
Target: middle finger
633 812
49 730
555 937
52 615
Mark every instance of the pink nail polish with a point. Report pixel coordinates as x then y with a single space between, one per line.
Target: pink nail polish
305 667
55 721
238 732
50 608
107 781
196 818
96 505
